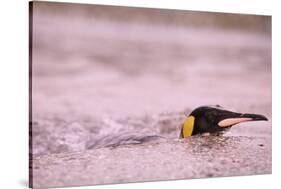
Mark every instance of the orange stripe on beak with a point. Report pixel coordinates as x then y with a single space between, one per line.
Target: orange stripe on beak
232 121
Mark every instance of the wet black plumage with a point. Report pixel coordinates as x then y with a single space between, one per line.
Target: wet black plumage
208 118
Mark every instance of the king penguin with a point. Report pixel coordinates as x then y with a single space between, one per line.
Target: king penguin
214 119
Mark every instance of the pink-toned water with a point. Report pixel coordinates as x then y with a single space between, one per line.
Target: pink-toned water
97 82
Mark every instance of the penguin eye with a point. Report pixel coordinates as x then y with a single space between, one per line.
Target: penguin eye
210 117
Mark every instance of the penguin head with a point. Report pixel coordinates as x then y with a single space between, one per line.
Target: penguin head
214 119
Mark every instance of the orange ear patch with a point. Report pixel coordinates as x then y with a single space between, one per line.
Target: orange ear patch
188 126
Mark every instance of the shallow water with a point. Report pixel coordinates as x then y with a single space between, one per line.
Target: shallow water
103 92
195 157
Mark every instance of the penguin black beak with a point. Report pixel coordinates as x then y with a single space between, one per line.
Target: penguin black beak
235 118
255 117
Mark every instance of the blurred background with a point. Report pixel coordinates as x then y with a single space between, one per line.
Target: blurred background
98 70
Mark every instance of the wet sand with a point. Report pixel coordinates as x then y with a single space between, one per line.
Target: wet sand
97 83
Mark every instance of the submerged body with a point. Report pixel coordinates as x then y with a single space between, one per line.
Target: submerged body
202 120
